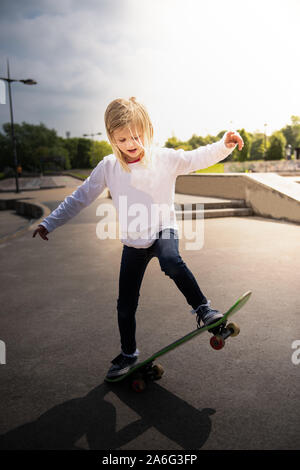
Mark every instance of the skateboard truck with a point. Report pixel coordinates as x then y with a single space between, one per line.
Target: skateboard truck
147 372
217 342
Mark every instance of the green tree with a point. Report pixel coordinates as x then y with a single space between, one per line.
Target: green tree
71 144
244 154
257 149
42 155
210 139
291 132
28 138
82 159
276 149
58 158
172 142
177 144
196 141
6 157
98 151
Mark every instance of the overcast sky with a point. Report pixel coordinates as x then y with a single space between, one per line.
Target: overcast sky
199 66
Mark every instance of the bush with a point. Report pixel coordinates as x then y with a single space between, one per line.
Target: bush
8 172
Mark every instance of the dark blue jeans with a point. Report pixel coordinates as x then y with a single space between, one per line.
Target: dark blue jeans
133 265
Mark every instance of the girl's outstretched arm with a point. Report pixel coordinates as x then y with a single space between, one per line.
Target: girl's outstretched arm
186 161
82 197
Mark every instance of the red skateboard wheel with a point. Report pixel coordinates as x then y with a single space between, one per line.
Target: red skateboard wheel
217 342
138 385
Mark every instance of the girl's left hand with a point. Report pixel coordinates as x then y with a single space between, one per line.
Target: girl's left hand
233 138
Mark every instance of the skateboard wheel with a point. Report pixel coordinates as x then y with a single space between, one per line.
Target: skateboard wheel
233 327
138 385
158 371
217 342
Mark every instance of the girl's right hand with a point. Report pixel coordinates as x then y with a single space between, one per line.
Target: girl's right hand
42 231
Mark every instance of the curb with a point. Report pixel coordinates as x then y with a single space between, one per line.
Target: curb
36 210
31 189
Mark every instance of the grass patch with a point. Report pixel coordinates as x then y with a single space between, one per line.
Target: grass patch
78 175
217 168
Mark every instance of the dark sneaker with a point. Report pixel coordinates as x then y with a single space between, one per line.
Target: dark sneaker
121 365
207 315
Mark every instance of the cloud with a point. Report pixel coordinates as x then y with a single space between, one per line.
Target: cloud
71 50
196 65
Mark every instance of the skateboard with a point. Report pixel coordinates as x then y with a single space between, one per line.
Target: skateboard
147 370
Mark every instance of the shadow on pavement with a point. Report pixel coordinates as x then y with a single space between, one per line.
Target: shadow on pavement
95 418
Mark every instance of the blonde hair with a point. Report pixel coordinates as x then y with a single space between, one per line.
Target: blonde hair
122 113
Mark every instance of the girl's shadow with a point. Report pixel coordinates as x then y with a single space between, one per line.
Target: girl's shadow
95 418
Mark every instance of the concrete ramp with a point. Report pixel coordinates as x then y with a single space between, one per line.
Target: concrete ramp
279 183
267 194
274 196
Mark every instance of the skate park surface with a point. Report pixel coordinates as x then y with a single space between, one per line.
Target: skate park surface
59 326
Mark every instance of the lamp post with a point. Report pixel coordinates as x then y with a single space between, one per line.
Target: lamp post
92 135
9 80
288 152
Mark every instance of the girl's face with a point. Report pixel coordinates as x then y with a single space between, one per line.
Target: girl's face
129 145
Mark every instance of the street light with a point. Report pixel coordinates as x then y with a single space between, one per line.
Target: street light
28 81
91 135
288 152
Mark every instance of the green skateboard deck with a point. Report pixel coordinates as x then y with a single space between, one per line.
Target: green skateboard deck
147 370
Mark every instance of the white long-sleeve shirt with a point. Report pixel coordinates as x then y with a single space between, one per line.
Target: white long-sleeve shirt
144 198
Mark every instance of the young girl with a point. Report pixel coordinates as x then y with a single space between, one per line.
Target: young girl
143 177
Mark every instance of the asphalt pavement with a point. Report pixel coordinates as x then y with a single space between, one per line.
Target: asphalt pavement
58 323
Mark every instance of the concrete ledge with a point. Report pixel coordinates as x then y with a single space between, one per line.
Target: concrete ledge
262 196
213 213
233 203
35 210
